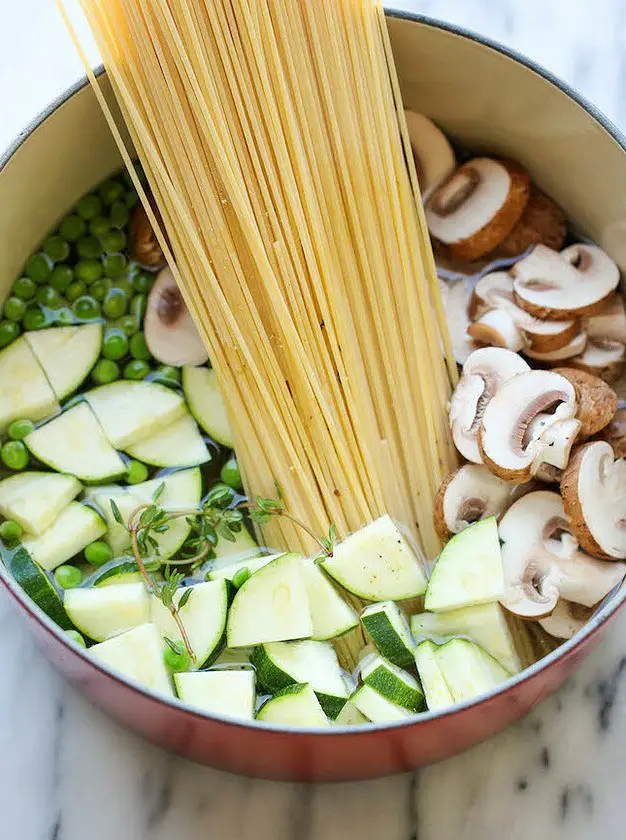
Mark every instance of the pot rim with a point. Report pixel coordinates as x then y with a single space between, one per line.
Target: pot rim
608 609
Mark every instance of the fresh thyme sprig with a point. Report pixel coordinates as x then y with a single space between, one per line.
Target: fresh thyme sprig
214 521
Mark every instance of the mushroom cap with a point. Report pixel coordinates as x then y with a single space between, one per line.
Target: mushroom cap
542 562
484 373
455 297
594 494
577 281
541 222
566 619
478 205
496 328
597 402
434 156
548 474
171 334
601 357
143 245
505 435
610 322
573 348
615 433
467 495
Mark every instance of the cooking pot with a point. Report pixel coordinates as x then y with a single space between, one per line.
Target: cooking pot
482 95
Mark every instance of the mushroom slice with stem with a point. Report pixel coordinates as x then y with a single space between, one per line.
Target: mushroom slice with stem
490 292
467 495
484 373
573 348
602 357
577 281
542 222
478 206
597 402
496 328
505 436
615 433
557 438
455 297
609 323
594 494
542 562
566 619
434 156
171 334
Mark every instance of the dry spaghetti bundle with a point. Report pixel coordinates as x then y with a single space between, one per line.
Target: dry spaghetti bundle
273 138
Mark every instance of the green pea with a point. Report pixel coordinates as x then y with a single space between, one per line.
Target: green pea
10 531
57 248
63 317
136 472
19 429
99 226
139 348
38 267
138 306
240 577
115 303
34 318
175 660
113 241
128 324
167 375
143 282
75 290
105 371
111 191
119 214
62 276
114 344
132 199
75 636
67 576
47 296
100 288
230 474
220 495
136 370
86 308
9 331
89 207
125 284
15 455
14 308
88 271
24 288
72 227
114 265
89 248
98 553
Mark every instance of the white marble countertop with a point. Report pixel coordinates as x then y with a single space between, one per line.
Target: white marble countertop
68 773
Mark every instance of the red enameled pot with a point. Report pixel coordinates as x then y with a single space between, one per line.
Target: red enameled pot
482 95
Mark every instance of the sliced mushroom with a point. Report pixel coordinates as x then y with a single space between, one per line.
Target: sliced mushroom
578 281
548 474
615 433
594 495
478 206
171 334
505 435
557 438
455 297
496 328
542 562
434 156
467 495
542 222
143 245
566 619
597 402
495 291
609 323
573 348
603 358
484 373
